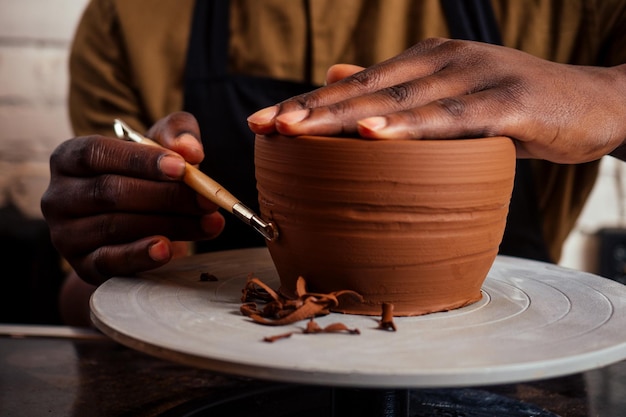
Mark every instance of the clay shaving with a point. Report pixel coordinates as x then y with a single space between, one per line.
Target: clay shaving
208 277
279 310
313 327
386 321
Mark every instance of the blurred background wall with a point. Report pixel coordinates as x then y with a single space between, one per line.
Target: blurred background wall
598 242
34 39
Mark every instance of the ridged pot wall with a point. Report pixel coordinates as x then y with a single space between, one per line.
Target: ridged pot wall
413 223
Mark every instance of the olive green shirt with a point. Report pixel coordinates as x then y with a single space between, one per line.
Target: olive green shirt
128 58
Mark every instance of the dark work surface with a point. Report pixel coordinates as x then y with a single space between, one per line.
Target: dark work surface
89 375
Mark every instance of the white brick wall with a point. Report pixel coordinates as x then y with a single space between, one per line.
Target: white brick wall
34 41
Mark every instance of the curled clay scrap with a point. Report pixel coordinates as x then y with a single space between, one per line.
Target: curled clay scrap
313 327
208 277
386 321
279 310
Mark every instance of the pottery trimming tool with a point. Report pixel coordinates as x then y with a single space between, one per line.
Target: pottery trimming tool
207 187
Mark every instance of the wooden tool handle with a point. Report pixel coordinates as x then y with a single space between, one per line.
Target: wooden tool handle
194 178
202 184
209 188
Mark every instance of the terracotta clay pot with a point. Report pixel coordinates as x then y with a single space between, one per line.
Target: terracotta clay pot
413 223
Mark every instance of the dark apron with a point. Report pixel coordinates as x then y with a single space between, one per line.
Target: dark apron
221 102
474 20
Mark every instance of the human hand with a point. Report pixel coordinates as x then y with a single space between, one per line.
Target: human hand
445 89
118 208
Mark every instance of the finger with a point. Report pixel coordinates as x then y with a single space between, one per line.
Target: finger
419 61
468 116
121 228
114 193
422 59
471 116
179 132
124 260
341 118
94 155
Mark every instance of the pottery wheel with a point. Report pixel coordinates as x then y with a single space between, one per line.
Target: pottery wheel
535 321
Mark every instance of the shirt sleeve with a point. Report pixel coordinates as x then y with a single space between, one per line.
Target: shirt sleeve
127 63
101 87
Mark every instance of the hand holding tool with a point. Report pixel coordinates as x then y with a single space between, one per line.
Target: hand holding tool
207 187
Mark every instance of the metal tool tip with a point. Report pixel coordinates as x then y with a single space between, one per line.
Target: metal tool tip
118 127
267 229
273 231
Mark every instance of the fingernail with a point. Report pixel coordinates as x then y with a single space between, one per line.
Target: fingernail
159 251
263 116
293 117
190 143
172 166
373 123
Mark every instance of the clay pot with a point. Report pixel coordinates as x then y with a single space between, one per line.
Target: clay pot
413 223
